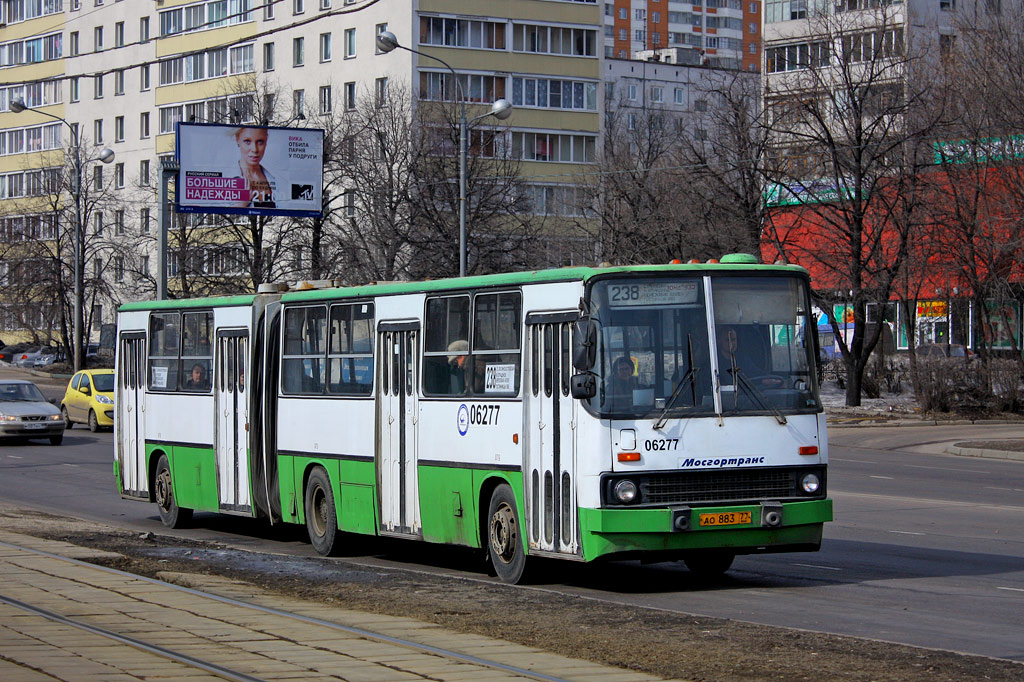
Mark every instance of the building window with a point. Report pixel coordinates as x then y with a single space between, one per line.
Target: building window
350 96
144 30
119 217
350 43
268 56
325 4
298 6
119 129
144 77
350 204
325 47
119 82
119 34
118 269
144 125
144 172
298 51
144 222
144 266
632 92
678 95
381 90
97 131
325 99
657 95
74 43
74 88
97 228
380 28
97 86
299 103
97 36
119 175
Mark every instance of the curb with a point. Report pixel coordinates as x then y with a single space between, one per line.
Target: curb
984 452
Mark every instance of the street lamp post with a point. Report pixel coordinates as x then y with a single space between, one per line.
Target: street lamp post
106 156
500 109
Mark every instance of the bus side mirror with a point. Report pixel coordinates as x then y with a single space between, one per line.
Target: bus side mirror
584 345
584 386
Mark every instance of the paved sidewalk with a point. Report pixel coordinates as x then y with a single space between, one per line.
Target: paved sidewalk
260 644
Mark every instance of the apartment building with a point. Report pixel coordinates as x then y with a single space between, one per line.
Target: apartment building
123 73
719 33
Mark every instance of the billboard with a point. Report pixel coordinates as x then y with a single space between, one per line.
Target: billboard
250 170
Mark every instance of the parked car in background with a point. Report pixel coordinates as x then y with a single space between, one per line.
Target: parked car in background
944 350
89 399
8 353
31 356
25 413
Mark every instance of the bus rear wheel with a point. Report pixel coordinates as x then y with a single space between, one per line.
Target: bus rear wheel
171 514
504 545
321 517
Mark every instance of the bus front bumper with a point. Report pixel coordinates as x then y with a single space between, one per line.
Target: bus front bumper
798 527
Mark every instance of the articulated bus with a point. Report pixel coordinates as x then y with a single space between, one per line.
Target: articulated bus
656 412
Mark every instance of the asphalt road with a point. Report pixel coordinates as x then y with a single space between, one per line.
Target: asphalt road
927 548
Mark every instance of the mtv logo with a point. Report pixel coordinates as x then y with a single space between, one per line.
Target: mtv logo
304 192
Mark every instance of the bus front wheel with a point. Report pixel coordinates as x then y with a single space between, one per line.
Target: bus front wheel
171 514
504 545
321 518
709 564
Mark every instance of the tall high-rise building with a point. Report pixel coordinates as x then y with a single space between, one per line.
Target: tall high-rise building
721 33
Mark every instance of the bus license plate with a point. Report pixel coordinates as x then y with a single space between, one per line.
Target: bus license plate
725 519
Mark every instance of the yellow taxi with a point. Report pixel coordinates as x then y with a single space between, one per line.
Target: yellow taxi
89 399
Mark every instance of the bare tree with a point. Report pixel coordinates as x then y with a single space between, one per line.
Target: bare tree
849 133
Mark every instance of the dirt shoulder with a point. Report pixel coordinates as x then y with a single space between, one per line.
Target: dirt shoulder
671 645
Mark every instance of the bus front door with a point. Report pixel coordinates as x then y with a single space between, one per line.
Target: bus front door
550 471
232 421
397 418
131 413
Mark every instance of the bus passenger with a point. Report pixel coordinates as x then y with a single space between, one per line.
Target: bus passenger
197 380
458 353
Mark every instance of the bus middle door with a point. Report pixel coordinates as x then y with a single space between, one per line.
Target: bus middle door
129 424
397 419
550 471
232 420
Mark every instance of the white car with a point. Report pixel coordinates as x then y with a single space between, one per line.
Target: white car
25 413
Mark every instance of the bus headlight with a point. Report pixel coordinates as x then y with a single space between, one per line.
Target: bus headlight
810 483
625 491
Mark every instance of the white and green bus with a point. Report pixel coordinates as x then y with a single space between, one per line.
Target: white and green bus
661 412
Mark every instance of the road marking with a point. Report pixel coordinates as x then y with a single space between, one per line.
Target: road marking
858 461
70 465
824 568
926 500
887 478
1012 490
1010 589
959 471
905 532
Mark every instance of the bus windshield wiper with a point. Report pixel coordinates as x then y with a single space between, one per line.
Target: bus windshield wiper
740 379
691 378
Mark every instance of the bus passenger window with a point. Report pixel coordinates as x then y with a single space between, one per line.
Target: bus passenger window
497 330
350 349
446 345
304 363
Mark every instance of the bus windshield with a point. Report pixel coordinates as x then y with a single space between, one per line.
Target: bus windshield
663 352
